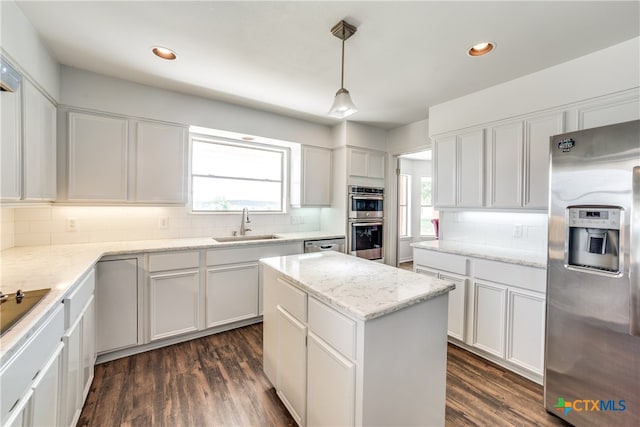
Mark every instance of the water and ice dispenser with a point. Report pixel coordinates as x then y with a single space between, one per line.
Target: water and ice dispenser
594 236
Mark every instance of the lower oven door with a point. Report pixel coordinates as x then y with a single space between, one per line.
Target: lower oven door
365 239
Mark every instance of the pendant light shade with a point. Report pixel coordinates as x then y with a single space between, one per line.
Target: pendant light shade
343 106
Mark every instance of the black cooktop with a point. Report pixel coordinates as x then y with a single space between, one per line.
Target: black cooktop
15 306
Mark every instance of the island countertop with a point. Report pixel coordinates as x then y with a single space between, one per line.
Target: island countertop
360 288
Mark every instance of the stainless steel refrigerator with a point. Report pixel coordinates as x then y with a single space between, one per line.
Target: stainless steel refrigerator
592 353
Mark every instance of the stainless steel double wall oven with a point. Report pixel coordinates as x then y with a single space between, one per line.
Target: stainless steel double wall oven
366 222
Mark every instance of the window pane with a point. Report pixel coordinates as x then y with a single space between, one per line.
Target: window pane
222 194
236 162
426 227
425 191
404 189
402 221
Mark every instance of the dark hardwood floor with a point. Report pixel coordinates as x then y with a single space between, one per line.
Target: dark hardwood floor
218 381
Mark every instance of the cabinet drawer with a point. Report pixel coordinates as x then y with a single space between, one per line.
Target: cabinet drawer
292 299
74 303
251 253
336 329
440 261
18 374
174 261
531 278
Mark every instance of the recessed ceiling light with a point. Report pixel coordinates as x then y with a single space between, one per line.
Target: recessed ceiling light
481 49
164 53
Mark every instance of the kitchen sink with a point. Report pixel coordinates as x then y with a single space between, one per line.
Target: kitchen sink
224 239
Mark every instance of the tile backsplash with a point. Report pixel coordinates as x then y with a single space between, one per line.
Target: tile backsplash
53 225
526 231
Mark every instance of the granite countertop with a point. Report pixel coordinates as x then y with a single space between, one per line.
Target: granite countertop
359 288
493 253
60 267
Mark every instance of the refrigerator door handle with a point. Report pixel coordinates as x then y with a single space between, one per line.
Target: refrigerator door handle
634 254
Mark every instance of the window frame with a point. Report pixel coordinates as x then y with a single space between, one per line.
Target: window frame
407 205
430 205
285 156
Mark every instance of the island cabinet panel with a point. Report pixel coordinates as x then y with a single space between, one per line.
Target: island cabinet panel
292 354
356 371
331 385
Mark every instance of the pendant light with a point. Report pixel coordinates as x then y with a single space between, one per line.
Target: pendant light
343 106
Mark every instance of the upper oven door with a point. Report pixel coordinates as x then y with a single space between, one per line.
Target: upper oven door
365 206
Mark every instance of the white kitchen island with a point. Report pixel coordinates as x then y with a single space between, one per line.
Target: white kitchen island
353 342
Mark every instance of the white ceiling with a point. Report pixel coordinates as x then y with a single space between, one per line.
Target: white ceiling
281 56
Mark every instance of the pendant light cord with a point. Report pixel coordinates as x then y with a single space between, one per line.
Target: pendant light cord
342 73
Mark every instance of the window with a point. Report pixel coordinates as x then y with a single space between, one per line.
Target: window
426 207
404 207
229 176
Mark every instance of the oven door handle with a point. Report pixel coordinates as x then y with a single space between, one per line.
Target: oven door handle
364 224
356 196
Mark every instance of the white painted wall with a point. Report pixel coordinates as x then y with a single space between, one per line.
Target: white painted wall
409 138
47 225
84 89
21 44
607 71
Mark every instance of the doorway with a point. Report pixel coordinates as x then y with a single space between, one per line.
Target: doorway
414 203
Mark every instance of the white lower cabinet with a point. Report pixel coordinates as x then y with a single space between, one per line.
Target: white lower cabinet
232 293
78 354
488 304
292 353
525 333
173 303
30 379
116 304
330 385
45 401
457 306
497 309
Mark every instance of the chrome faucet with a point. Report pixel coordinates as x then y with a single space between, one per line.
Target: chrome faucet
245 220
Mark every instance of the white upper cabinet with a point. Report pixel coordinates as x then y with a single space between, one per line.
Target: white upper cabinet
446 172
538 131
366 163
10 154
161 156
471 169
97 157
115 159
39 145
315 177
459 170
505 165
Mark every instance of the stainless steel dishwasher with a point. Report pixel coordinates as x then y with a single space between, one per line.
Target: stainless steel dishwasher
322 245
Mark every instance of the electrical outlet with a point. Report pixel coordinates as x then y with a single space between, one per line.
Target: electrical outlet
163 222
72 224
517 231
